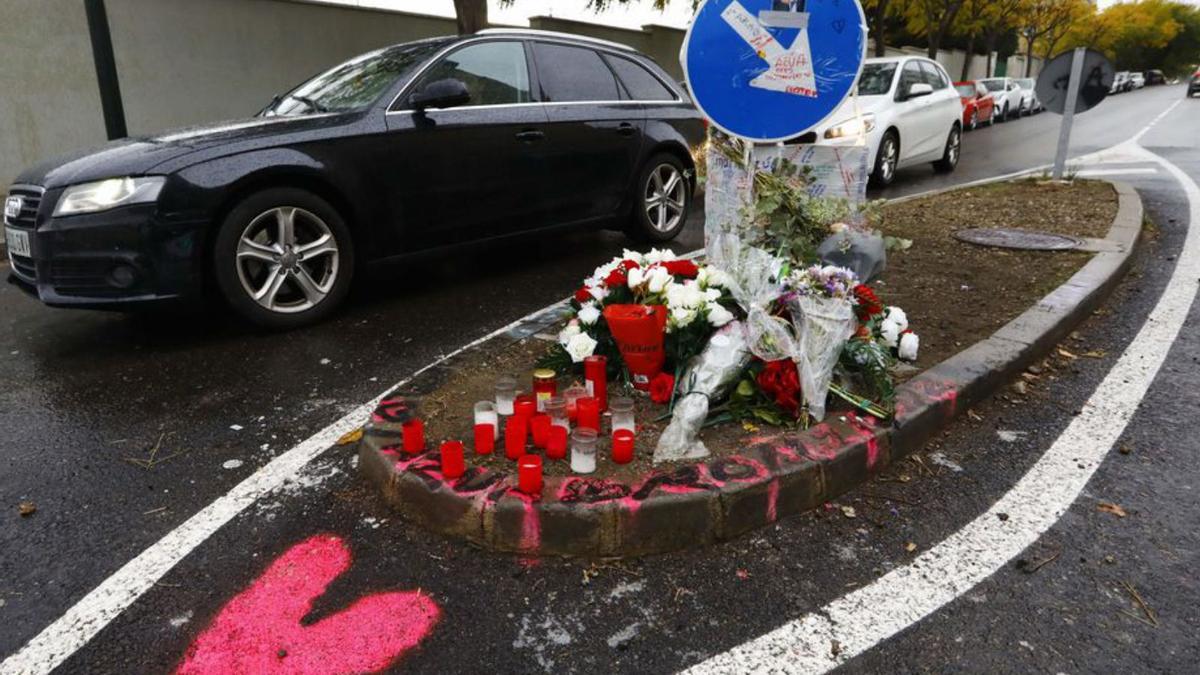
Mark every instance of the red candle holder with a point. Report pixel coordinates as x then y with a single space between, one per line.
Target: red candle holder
622 446
595 374
454 463
589 413
529 474
413 432
485 439
556 443
516 428
539 426
525 406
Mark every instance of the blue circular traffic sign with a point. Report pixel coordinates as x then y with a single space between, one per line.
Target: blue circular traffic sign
769 70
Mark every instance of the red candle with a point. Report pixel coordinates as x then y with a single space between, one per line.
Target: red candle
529 474
556 444
525 406
413 432
595 374
485 439
589 413
622 446
539 425
515 431
453 462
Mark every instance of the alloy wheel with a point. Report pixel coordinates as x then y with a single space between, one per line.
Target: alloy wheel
887 159
665 196
287 260
953 147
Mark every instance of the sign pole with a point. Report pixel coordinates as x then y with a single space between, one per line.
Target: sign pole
1064 129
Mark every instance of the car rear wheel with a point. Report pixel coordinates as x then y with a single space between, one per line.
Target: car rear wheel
886 160
283 258
662 202
953 149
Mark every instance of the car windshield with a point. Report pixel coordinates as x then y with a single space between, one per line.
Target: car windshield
354 84
965 90
993 85
876 79
1025 83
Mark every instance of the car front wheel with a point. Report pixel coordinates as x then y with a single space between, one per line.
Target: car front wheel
283 258
663 200
950 155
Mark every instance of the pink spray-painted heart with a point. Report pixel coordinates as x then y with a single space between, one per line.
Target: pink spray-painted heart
259 631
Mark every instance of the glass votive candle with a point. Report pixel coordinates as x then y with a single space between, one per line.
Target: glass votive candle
583 450
529 474
544 386
454 463
556 408
595 374
485 439
515 430
622 446
556 442
525 406
539 427
413 433
572 394
506 391
622 413
485 413
588 413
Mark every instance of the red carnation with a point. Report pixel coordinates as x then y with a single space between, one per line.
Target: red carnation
661 388
582 295
868 303
615 278
629 264
682 268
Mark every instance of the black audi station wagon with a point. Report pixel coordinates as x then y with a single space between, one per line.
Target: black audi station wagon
400 151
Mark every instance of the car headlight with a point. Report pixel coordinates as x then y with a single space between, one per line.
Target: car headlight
852 127
107 194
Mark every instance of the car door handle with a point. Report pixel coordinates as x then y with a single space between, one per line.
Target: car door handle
626 129
530 135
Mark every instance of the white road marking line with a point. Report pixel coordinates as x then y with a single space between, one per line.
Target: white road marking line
81 622
1138 136
1089 173
860 620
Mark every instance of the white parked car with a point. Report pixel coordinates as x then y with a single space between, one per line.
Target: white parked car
1138 80
1030 104
907 113
1121 83
1007 94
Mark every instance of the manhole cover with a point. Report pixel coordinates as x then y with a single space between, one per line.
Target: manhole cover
1026 239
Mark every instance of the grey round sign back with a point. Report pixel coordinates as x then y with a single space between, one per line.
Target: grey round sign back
1097 78
1023 239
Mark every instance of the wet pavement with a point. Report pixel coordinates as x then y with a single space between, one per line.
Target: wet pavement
120 428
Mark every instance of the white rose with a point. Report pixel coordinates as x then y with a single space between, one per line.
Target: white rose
715 277
659 255
580 347
634 256
909 344
658 278
635 278
588 314
890 331
681 317
897 315
718 316
598 292
571 330
712 295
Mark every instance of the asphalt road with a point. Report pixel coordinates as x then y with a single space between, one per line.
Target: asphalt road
83 393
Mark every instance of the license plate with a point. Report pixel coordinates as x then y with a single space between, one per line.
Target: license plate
17 242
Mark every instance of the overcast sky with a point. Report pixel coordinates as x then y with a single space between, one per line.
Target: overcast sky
633 15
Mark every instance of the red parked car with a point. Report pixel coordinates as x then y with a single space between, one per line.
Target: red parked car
978 105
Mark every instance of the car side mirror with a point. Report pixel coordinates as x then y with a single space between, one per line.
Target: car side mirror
446 93
918 89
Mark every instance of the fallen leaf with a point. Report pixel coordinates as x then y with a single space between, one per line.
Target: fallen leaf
1094 354
1066 354
1125 449
1109 507
910 547
974 415
848 511
749 427
743 574
351 437
26 508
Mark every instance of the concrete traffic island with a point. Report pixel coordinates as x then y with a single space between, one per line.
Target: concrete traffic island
774 475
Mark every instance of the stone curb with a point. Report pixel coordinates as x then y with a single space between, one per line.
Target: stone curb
721 498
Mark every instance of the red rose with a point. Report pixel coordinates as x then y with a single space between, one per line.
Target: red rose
862 333
629 265
582 295
868 303
682 268
780 381
661 388
615 278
